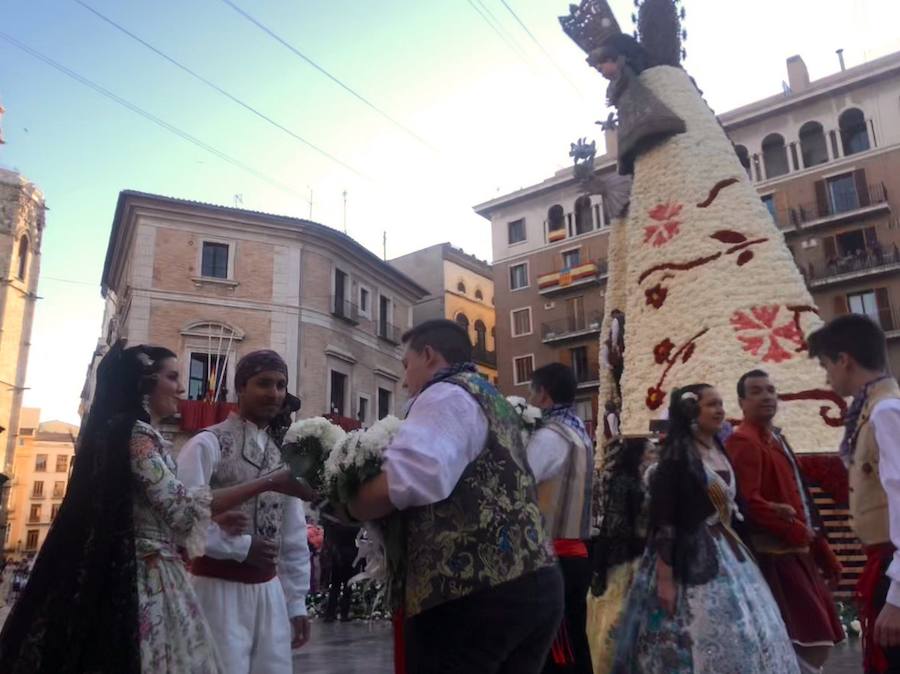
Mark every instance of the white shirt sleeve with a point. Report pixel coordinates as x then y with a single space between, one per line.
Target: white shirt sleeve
546 454
444 432
196 462
613 422
293 562
886 421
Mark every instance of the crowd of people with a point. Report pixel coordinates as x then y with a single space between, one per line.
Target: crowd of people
680 554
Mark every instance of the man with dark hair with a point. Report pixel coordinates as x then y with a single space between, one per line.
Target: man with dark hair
561 456
786 530
482 591
853 351
252 586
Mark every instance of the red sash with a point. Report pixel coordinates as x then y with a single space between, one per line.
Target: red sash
877 556
570 547
228 569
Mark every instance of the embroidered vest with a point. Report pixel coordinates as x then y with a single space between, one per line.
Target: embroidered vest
242 459
566 499
868 501
489 530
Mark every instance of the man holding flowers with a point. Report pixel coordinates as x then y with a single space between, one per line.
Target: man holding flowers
481 588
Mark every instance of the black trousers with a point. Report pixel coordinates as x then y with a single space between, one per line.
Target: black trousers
507 629
879 599
572 641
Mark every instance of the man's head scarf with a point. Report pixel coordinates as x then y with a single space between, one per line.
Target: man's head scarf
258 361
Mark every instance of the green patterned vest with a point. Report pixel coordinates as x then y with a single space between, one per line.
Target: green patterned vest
489 530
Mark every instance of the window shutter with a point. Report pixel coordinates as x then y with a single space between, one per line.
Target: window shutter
830 249
822 198
840 305
862 187
884 309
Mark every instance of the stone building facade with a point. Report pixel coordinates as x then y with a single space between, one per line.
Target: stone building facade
460 288
214 283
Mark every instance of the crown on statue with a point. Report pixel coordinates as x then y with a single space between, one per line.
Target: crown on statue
590 24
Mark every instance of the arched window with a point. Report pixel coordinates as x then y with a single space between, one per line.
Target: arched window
854 134
478 294
461 287
774 155
480 336
584 218
23 258
463 321
744 157
556 223
812 144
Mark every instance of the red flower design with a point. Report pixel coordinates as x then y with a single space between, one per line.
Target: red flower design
761 334
656 296
663 350
688 352
655 397
666 227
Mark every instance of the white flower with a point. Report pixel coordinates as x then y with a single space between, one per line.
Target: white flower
328 433
856 626
531 414
517 401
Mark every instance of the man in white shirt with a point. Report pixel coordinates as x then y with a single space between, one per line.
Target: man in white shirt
853 351
253 586
482 592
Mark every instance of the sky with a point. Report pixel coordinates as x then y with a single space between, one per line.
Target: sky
461 105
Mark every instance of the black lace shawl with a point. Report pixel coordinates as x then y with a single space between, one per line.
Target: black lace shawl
79 612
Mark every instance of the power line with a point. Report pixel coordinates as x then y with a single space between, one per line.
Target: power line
541 47
483 12
147 115
222 91
268 31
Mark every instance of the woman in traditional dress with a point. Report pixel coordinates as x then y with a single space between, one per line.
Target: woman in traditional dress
698 603
618 546
109 593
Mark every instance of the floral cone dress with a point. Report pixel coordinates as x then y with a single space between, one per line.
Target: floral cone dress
175 637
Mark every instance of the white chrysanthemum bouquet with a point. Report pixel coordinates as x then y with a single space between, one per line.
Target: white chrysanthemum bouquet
356 458
306 447
530 415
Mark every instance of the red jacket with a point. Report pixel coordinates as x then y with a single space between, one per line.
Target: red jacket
765 477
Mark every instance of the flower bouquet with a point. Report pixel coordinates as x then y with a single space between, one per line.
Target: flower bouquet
307 445
530 415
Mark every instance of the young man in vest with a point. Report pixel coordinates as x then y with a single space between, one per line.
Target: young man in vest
252 587
482 590
786 530
561 456
853 351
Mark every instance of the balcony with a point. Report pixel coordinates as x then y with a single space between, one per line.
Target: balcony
587 274
484 357
571 327
852 268
389 333
849 206
345 310
587 377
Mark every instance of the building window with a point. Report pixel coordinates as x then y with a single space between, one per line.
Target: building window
384 402
461 287
338 392
478 294
215 260
584 218
743 156
523 368
842 195
40 463
37 490
207 374
59 489
813 145
362 409
62 463
521 322
854 133
571 258
365 299
516 231
34 515
556 223
480 337
774 156
875 304
769 202
23 258
518 276
580 367
54 511
31 539
342 305
463 321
